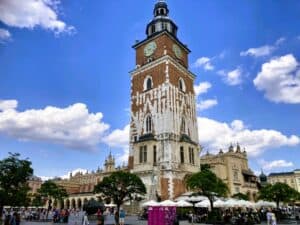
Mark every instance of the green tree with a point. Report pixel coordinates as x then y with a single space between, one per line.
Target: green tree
121 186
50 190
278 192
241 196
208 184
37 200
14 174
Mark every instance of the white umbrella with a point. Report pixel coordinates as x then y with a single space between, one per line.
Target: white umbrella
183 203
150 203
203 204
167 203
197 198
219 203
265 203
110 205
231 203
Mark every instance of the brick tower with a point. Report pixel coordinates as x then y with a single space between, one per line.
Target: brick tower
163 130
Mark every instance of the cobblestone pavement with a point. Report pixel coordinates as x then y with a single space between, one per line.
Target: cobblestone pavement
130 220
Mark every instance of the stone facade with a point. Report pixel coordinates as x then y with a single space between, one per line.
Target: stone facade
163 130
79 186
232 168
291 178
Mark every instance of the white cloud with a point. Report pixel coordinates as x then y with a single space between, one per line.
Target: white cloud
214 135
258 52
206 104
72 126
271 165
33 13
204 62
201 88
120 139
8 104
264 50
4 35
280 79
233 77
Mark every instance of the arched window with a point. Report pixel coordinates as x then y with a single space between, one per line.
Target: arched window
181 154
181 85
162 11
148 84
148 124
154 155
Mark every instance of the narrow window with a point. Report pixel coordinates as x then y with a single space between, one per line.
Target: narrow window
148 124
149 83
141 154
191 156
154 155
145 154
182 126
180 85
181 154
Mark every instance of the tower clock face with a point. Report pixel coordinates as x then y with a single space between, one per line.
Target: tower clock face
177 51
150 48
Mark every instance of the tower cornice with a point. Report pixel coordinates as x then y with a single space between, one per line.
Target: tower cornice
159 61
149 39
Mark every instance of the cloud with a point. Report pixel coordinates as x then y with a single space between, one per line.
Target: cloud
72 126
258 52
271 165
4 35
33 13
201 88
8 104
214 135
233 77
119 138
206 104
280 80
264 50
204 62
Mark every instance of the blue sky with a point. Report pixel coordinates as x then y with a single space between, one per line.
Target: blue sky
64 81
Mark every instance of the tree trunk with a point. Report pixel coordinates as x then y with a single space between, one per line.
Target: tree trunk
277 204
1 210
211 204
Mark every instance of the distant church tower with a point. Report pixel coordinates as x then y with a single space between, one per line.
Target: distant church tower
163 130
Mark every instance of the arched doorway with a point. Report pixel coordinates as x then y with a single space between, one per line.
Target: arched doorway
68 204
62 204
73 204
79 204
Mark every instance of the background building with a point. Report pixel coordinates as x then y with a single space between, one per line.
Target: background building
291 178
232 168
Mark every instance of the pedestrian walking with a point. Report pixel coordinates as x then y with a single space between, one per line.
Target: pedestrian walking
122 217
117 217
85 220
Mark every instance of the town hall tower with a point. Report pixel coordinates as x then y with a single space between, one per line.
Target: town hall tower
164 146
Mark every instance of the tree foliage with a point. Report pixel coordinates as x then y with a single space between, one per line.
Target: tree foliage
241 196
208 184
92 206
121 186
14 174
51 190
278 192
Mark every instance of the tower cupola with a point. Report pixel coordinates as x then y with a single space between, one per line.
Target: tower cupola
161 21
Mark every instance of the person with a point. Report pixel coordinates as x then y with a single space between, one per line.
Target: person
100 217
85 220
269 216
122 217
117 217
191 217
273 219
